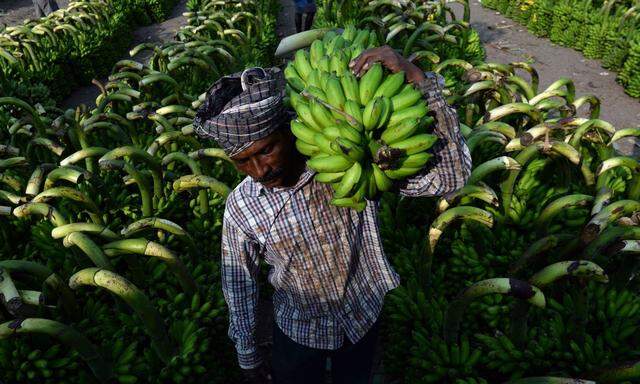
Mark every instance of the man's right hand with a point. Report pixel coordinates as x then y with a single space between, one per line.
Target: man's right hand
258 375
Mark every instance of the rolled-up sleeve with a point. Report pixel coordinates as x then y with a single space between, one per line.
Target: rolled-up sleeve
239 271
451 165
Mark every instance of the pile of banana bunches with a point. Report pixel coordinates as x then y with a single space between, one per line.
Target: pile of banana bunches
110 217
343 122
528 274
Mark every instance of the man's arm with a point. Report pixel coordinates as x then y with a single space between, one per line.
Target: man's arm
451 165
239 271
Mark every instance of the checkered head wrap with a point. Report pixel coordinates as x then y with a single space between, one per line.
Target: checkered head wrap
242 108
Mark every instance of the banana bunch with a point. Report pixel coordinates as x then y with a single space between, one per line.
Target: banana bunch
49 364
439 361
345 124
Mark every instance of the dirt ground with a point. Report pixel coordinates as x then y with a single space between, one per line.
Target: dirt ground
14 12
507 41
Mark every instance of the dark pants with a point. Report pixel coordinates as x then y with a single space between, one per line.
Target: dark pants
293 363
44 7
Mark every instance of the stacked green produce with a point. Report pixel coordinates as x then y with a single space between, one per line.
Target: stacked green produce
109 216
118 210
602 30
345 124
50 56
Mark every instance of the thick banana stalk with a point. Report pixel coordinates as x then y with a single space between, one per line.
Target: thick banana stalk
5 211
512 287
201 181
68 336
94 229
299 40
480 192
50 212
590 125
139 178
500 127
49 144
12 198
9 150
610 241
559 205
447 217
35 298
169 137
91 249
511 109
525 88
619 161
602 199
537 250
629 246
68 193
566 83
622 373
74 175
608 215
482 137
35 116
594 105
149 248
49 279
501 163
193 165
622 133
133 296
453 63
153 223
12 162
82 154
140 155
209 152
9 295
580 268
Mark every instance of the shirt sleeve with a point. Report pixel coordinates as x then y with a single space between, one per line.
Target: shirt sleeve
451 165
239 285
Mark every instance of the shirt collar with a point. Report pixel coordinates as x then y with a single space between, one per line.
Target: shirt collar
255 189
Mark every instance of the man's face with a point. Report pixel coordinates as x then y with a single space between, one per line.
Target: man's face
272 161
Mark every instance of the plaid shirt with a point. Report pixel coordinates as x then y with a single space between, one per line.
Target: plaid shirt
328 267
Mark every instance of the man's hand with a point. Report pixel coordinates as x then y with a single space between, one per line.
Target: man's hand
258 375
389 58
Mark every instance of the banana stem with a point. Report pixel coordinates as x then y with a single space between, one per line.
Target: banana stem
498 164
150 248
506 286
580 268
559 205
67 335
203 198
91 249
135 298
9 295
606 216
139 178
72 175
46 210
621 373
201 181
48 279
96 229
447 217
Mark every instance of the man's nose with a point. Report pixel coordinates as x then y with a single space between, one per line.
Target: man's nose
260 169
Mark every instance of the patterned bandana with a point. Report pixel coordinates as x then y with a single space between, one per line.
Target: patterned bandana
242 108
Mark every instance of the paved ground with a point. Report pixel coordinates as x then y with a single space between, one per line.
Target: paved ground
14 12
156 33
507 41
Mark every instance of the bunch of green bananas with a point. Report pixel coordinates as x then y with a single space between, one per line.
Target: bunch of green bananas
344 124
22 362
541 19
629 76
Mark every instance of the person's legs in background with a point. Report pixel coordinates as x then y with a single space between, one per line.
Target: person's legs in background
298 20
308 20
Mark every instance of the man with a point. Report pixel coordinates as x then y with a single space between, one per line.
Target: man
44 7
327 263
305 8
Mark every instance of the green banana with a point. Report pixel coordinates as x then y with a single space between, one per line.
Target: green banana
416 143
383 182
349 180
324 177
306 148
350 133
399 132
348 148
324 143
353 109
294 80
391 85
369 83
302 132
415 112
329 163
301 63
335 95
417 160
350 86
321 115
316 52
406 98
401 173
372 112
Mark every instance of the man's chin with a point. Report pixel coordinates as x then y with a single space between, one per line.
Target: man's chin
273 183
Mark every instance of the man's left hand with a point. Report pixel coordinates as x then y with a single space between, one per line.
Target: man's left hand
389 58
